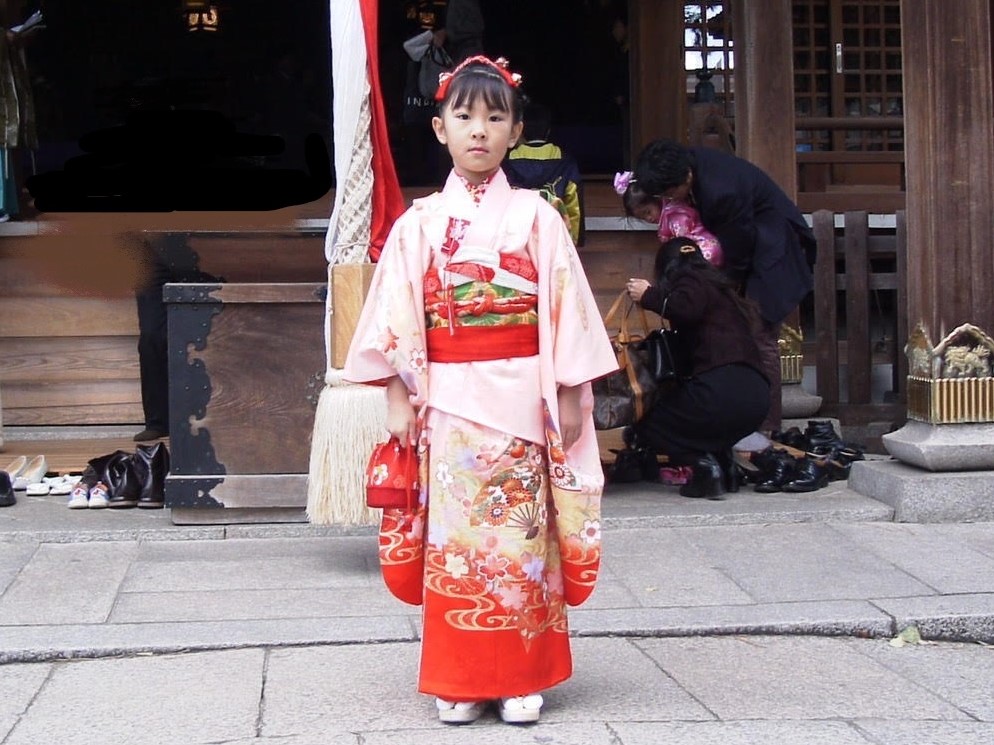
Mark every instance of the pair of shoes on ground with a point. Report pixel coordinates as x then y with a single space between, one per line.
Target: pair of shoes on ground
58 486
24 472
121 479
780 471
513 709
84 496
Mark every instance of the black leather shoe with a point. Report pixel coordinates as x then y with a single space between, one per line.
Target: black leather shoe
792 437
627 466
809 475
7 497
730 471
707 480
150 433
780 471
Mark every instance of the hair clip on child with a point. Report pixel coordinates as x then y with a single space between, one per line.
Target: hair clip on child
621 182
501 64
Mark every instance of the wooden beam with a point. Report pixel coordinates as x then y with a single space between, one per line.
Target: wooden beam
764 89
658 80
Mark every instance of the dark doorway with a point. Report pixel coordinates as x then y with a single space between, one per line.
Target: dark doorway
570 59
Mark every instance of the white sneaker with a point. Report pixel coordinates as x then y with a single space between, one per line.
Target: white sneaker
521 709
98 496
79 497
459 712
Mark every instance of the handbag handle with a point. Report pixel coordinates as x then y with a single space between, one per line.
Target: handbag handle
664 322
624 329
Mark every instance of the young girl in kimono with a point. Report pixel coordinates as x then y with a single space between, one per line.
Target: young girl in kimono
676 218
483 328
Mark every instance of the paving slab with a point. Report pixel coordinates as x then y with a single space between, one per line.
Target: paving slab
44 643
953 672
18 686
826 618
932 733
74 583
777 563
194 699
12 557
738 733
945 559
794 678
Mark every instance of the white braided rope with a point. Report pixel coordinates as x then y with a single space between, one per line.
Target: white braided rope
350 83
355 215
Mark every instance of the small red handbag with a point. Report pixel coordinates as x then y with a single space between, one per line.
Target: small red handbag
392 476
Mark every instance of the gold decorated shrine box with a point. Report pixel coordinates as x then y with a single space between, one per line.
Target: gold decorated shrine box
246 367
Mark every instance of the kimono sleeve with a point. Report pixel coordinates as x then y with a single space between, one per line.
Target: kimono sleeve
390 337
581 348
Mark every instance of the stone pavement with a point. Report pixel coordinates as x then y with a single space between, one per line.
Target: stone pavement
759 619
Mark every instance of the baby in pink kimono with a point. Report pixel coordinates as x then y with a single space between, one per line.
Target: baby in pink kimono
676 218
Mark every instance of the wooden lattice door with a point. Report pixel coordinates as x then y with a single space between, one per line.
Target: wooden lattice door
848 93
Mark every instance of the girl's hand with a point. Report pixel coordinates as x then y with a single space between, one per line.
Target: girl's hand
401 417
636 288
570 415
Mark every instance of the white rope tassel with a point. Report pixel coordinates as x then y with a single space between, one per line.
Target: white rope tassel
336 493
350 419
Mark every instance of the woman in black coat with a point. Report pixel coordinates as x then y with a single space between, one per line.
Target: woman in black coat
728 393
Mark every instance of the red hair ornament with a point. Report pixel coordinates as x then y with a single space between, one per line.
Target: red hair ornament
500 64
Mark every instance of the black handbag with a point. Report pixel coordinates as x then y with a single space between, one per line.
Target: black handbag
666 352
624 396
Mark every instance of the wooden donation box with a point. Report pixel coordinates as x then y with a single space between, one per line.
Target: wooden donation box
246 367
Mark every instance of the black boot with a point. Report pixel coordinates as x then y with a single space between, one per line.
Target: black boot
730 471
809 475
821 437
152 465
707 480
779 470
121 480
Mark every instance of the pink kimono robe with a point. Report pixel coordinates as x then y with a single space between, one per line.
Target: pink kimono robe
679 219
507 532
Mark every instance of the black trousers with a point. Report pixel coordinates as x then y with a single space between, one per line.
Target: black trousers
706 414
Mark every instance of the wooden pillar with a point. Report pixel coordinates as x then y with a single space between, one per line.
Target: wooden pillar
949 146
764 88
658 80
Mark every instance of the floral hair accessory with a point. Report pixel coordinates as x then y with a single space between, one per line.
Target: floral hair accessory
621 181
500 64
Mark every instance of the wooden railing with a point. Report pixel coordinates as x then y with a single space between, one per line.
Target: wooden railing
843 180
858 263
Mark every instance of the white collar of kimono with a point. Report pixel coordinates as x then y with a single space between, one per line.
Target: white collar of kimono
481 244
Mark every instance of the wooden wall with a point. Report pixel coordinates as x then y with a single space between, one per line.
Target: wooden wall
68 319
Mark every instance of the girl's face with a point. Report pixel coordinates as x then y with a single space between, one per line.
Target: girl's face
649 212
477 137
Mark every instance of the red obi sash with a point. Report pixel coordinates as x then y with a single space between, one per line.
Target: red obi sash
475 343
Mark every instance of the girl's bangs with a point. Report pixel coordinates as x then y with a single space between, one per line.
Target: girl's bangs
480 82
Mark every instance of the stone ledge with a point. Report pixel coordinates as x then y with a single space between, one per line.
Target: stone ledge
920 496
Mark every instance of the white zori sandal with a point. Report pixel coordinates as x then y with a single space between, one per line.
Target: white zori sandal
521 709
459 712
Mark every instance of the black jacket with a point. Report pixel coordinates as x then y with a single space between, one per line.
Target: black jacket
766 242
715 331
